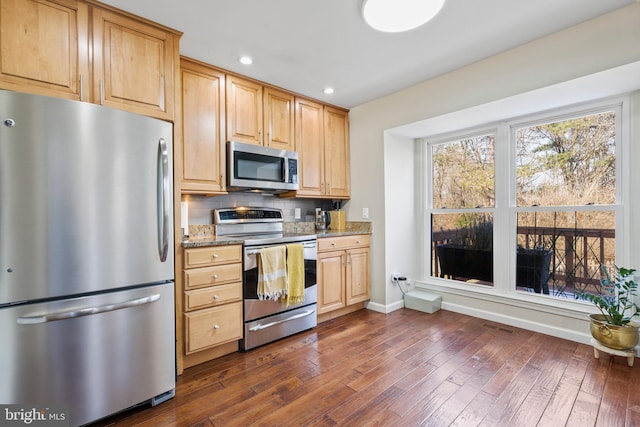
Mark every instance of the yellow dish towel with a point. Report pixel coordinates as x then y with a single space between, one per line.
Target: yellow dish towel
295 274
272 273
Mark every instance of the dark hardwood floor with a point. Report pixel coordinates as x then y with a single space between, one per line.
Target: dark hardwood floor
405 368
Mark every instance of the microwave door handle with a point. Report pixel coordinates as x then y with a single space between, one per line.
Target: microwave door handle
286 169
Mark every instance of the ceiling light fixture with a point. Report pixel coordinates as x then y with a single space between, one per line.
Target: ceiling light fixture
328 90
246 60
394 16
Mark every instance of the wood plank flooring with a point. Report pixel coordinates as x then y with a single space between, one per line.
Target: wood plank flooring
405 368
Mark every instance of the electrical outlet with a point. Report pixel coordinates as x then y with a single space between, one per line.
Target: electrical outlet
365 213
296 214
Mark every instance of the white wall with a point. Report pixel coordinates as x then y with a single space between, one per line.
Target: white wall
605 43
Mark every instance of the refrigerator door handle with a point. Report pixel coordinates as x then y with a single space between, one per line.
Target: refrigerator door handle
87 311
163 198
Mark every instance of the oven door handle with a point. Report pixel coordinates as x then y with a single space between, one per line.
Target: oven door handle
260 326
256 250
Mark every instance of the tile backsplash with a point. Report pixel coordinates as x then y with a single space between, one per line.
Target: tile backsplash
200 207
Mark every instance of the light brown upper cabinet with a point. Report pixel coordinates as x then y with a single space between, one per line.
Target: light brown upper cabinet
322 142
259 115
203 149
133 64
336 153
310 145
279 119
244 110
46 48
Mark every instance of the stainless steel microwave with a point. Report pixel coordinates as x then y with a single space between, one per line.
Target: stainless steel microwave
262 168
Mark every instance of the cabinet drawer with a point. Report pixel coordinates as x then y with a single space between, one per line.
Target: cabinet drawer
209 276
212 255
212 296
343 242
213 326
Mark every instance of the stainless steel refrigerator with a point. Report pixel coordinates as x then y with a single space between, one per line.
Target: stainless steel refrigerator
86 257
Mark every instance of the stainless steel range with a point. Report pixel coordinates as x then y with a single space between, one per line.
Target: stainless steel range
268 320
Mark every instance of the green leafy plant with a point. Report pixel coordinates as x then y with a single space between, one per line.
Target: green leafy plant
618 289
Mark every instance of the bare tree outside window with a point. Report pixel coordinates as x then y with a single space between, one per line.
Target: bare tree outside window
463 189
463 173
569 164
565 205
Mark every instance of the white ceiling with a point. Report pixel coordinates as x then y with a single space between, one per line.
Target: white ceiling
306 45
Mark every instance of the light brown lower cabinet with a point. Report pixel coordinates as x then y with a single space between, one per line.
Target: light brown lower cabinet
212 281
343 272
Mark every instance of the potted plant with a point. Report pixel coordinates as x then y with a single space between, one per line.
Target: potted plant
614 328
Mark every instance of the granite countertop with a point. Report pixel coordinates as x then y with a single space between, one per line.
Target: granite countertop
204 235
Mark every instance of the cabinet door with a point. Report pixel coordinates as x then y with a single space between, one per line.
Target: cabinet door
244 111
278 119
203 149
336 160
358 279
133 65
331 281
44 47
309 126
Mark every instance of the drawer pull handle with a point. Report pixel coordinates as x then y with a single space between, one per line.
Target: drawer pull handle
216 297
216 326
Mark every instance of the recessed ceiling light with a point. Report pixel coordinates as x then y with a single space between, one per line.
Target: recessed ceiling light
328 90
394 16
246 60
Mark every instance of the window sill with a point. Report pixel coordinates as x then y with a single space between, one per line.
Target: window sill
536 302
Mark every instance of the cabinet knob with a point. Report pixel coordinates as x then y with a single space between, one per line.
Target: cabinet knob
358 242
333 244
216 297
215 255
216 326
215 276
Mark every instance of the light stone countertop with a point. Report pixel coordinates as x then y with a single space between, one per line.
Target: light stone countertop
204 235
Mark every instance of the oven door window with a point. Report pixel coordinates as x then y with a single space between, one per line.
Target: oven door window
251 277
258 167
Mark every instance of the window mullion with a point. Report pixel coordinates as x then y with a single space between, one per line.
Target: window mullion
503 240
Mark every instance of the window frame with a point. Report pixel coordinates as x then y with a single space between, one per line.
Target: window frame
505 208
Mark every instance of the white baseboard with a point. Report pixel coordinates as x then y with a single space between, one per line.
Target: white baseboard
382 308
583 338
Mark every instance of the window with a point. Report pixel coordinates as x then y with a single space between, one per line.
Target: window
560 203
566 200
463 197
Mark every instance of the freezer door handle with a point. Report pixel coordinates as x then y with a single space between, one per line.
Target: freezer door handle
163 199
87 311
260 326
